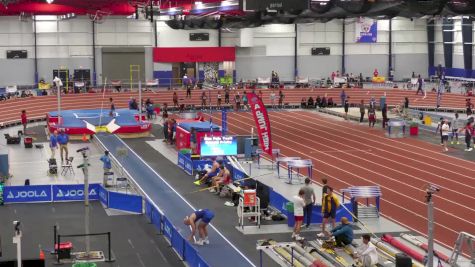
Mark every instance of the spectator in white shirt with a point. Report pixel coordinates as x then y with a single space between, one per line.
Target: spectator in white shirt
366 253
445 134
299 203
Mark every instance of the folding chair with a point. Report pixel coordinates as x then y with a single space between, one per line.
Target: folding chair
68 166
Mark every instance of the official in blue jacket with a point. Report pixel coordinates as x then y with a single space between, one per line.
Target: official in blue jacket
63 140
343 233
107 165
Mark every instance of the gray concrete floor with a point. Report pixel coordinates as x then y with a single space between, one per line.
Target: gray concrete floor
135 242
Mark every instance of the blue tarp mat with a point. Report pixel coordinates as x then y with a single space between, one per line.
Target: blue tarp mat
76 118
199 126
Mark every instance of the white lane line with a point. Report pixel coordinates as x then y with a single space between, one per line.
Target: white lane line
130 243
140 259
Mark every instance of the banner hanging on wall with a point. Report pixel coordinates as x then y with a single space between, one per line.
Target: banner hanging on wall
261 118
366 30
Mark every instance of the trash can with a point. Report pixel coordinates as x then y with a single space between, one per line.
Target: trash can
289 212
85 264
428 120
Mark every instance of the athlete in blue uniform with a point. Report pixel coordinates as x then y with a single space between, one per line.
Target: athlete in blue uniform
204 216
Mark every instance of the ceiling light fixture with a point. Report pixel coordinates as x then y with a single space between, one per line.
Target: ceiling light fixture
49 1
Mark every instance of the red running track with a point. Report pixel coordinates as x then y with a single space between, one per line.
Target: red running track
350 154
38 106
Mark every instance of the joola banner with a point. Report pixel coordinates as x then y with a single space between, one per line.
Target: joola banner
261 118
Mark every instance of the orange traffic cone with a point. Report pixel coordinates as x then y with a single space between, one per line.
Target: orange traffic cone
42 255
84 138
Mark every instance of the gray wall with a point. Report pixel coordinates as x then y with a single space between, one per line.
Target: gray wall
366 64
318 66
262 66
405 64
17 71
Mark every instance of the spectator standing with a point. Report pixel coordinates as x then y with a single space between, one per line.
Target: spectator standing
226 96
382 101
165 130
468 130
175 99
310 199
53 143
445 134
330 204
237 100
281 98
272 99
172 131
165 112
371 116
218 99
346 106
420 83
245 101
112 105
203 100
455 129
149 110
63 140
188 91
342 97
299 204
362 110
106 165
324 186
384 113
439 130
372 103
469 106
24 120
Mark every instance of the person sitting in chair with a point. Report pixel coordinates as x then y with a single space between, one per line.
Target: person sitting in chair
223 178
210 173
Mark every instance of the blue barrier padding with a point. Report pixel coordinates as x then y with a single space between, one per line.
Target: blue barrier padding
148 210
188 166
181 160
74 192
131 203
104 196
156 219
167 228
190 255
178 243
29 193
173 205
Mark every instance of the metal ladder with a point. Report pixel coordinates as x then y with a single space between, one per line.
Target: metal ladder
470 239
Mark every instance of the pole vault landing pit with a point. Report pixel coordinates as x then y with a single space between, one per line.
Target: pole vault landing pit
84 123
